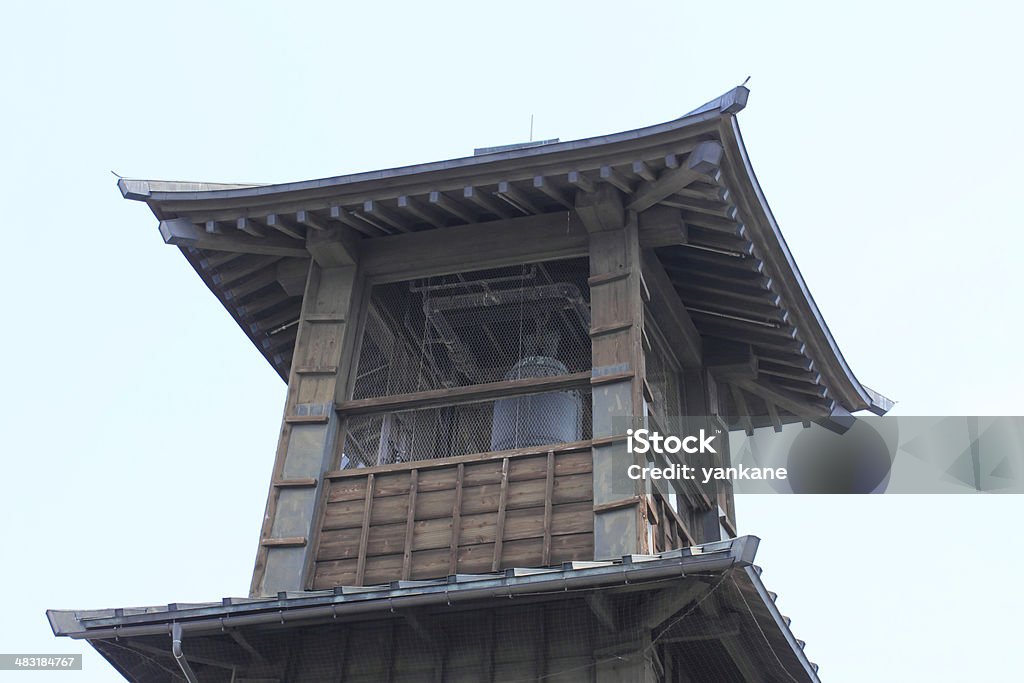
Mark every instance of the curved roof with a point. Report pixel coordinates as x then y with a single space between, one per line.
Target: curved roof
733 271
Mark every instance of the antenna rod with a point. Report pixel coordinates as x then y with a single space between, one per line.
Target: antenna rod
531 127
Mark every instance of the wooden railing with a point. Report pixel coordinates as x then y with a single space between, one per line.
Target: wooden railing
475 513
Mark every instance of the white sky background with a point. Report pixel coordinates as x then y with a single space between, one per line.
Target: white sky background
139 424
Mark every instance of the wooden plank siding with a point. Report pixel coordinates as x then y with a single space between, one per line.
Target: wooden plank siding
525 508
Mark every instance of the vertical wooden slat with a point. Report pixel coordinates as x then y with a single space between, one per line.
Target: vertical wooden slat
664 520
499 536
549 491
410 525
364 534
453 560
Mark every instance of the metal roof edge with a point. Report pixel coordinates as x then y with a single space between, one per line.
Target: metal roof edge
853 396
780 621
160 190
91 624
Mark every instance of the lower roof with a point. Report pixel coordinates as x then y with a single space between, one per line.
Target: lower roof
729 585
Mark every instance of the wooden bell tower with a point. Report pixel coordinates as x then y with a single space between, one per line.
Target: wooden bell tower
466 344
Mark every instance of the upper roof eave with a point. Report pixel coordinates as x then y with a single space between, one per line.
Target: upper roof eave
773 246
157 191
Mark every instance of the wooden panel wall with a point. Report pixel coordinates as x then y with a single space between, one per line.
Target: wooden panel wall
480 513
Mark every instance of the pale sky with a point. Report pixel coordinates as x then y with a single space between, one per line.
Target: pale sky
139 424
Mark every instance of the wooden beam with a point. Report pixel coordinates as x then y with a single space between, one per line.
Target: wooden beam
495 244
731 361
581 182
181 232
467 394
773 416
332 248
702 161
250 227
612 177
703 628
311 220
364 533
445 202
516 198
380 212
549 488
480 245
601 210
410 525
453 550
423 213
794 403
285 226
663 604
740 402
341 215
499 534
669 313
485 202
643 170
662 226
544 185
602 608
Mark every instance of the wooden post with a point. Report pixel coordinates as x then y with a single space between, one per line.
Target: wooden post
310 428
617 356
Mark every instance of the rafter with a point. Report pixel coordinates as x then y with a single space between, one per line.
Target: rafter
446 203
516 198
485 201
702 161
183 233
417 209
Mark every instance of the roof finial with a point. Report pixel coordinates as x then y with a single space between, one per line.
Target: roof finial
745 82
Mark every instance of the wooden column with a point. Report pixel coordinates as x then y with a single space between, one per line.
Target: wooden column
310 428
618 369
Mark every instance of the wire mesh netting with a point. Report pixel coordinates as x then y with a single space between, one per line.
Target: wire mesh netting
485 426
474 327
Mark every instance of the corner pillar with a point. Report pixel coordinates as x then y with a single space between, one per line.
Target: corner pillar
310 428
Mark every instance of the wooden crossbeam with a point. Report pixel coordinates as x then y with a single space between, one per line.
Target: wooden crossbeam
485 202
380 212
782 398
641 169
544 185
612 177
580 181
183 233
342 215
702 161
516 198
310 220
250 227
740 401
672 318
423 213
662 605
445 202
285 226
